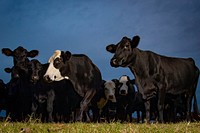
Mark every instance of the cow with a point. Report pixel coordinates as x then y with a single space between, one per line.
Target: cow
23 93
12 91
128 100
19 93
60 97
169 74
80 70
104 106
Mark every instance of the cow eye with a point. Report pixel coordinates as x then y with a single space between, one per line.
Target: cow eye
57 62
126 46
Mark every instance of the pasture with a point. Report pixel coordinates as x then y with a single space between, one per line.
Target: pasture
113 127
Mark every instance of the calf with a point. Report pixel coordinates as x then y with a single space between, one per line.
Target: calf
19 94
128 100
80 70
105 101
170 75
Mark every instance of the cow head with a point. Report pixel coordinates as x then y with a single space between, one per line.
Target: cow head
109 90
57 69
20 56
123 51
125 85
14 71
35 68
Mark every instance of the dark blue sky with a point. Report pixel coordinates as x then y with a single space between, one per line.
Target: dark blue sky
169 28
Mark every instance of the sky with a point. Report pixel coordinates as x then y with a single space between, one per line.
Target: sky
169 28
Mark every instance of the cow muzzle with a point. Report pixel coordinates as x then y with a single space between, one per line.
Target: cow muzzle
123 92
114 63
117 62
34 79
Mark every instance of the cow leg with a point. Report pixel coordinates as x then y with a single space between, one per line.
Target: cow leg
138 116
147 106
188 109
84 103
33 109
161 99
50 99
143 116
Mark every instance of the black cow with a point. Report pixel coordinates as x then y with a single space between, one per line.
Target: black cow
128 100
23 93
12 88
170 75
80 70
60 97
19 93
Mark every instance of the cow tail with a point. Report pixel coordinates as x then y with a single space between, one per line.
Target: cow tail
195 105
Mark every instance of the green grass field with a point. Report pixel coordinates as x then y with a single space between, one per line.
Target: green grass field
115 127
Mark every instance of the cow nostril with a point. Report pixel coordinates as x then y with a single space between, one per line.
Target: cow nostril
16 76
35 78
54 77
122 92
47 78
114 61
111 96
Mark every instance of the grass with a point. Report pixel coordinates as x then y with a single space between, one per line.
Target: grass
115 127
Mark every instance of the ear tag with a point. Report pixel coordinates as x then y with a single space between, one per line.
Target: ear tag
66 77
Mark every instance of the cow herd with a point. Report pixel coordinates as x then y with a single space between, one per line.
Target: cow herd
70 88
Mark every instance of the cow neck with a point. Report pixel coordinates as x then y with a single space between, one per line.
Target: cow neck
71 72
138 68
139 64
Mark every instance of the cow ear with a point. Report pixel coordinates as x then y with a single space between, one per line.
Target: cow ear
102 83
7 51
116 81
67 55
111 48
135 41
33 53
8 70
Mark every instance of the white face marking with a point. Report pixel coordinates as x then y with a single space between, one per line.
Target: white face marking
124 88
109 87
53 73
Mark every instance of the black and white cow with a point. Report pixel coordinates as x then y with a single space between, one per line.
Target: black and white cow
80 70
105 102
59 97
170 75
128 100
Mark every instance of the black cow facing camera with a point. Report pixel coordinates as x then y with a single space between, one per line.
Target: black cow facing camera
170 75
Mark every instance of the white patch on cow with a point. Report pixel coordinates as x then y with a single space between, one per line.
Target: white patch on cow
56 54
124 88
53 73
110 90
